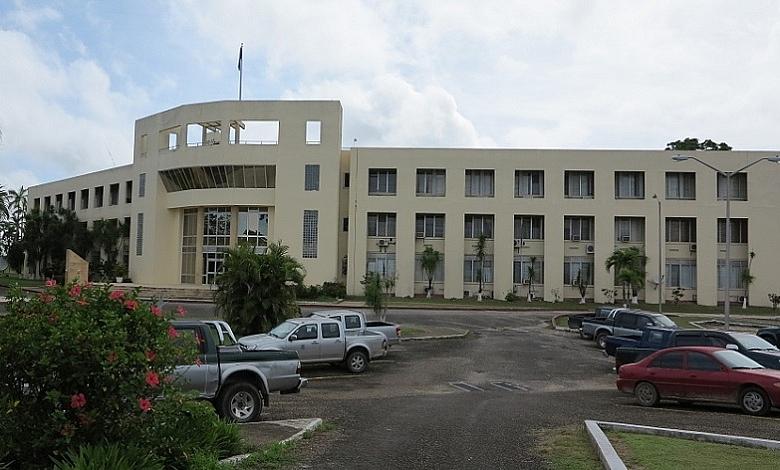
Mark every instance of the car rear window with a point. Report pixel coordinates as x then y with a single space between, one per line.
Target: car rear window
692 339
352 322
672 360
702 362
330 330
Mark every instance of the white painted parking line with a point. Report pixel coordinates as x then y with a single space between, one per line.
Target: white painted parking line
331 377
510 387
466 387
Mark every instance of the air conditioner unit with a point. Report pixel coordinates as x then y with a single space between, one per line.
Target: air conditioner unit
383 243
519 242
575 238
419 235
625 238
693 247
590 249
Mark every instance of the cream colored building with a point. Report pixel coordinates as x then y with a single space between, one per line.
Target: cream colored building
208 176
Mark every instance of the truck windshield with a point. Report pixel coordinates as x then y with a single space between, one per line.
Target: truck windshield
735 360
282 330
753 342
662 320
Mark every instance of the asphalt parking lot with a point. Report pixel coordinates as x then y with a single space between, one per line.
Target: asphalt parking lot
477 402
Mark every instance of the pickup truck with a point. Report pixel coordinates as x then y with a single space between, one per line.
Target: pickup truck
622 322
322 340
600 313
771 335
654 339
355 323
236 381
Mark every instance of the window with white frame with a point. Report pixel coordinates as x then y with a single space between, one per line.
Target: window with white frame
681 230
381 224
381 263
521 269
577 266
680 185
189 241
735 278
429 226
420 275
480 183
578 184
473 268
629 185
216 227
431 182
253 227
630 229
382 181
313 132
529 227
478 224
311 178
739 230
738 187
529 183
142 185
681 273
310 233
578 228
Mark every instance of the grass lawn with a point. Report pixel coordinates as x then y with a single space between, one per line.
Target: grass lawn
568 449
10 280
411 332
648 452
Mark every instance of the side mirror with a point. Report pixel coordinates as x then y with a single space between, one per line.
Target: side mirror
732 347
293 337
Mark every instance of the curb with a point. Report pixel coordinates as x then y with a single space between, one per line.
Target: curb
554 321
427 338
607 454
311 426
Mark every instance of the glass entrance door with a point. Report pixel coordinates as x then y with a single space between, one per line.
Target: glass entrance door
212 265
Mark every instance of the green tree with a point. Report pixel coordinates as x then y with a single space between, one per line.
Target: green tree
107 236
582 285
531 271
377 289
430 260
480 249
747 279
629 268
692 143
255 292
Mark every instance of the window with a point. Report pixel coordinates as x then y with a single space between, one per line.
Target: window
99 196
311 178
431 182
702 362
173 140
306 332
738 187
476 225
738 267
37 204
627 320
84 199
346 179
313 132
739 230
529 183
72 201
681 273
310 235
529 227
144 144
630 229
113 194
672 360
216 228
680 185
139 235
189 240
629 185
253 227
429 226
58 202
142 185
221 176
479 183
690 339
574 266
345 224
254 132
128 192
681 230
578 228
352 322
204 133
472 267
47 202
420 275
578 184
381 263
521 266
381 224
330 330
168 139
381 182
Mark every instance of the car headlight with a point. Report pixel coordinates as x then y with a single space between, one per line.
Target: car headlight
776 384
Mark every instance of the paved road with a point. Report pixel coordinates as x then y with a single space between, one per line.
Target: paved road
404 413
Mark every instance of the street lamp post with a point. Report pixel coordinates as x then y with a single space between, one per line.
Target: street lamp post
727 175
660 258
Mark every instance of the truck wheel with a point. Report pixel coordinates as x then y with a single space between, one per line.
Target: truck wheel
754 401
646 394
357 362
240 402
601 339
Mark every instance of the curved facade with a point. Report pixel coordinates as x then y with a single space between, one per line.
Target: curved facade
208 176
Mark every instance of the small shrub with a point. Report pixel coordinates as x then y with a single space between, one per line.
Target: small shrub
775 300
107 456
512 297
677 294
335 290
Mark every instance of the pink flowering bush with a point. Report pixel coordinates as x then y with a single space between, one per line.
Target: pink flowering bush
81 365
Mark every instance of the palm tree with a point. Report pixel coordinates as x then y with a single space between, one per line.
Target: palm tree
480 249
430 261
531 277
747 279
629 267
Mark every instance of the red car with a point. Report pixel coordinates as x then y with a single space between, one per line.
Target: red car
702 374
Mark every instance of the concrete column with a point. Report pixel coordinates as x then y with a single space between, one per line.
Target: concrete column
503 255
553 255
604 232
199 248
453 255
404 254
706 261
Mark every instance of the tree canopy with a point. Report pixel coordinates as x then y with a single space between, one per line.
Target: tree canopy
692 143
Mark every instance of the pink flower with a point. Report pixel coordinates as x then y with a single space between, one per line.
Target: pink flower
78 401
46 298
145 404
172 333
116 295
156 311
131 304
152 379
150 356
51 282
181 311
112 357
75 291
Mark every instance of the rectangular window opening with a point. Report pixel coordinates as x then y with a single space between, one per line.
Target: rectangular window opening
431 182
313 132
480 183
529 183
204 133
382 181
99 196
113 194
254 132
310 233
311 178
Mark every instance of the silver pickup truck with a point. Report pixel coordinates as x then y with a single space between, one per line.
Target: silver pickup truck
236 381
355 323
321 340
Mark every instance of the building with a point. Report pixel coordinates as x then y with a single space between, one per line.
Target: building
208 176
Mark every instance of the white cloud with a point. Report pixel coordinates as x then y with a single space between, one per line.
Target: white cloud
29 19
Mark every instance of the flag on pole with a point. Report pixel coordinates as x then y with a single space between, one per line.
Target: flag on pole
240 56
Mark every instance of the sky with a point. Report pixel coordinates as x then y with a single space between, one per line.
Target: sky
75 75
